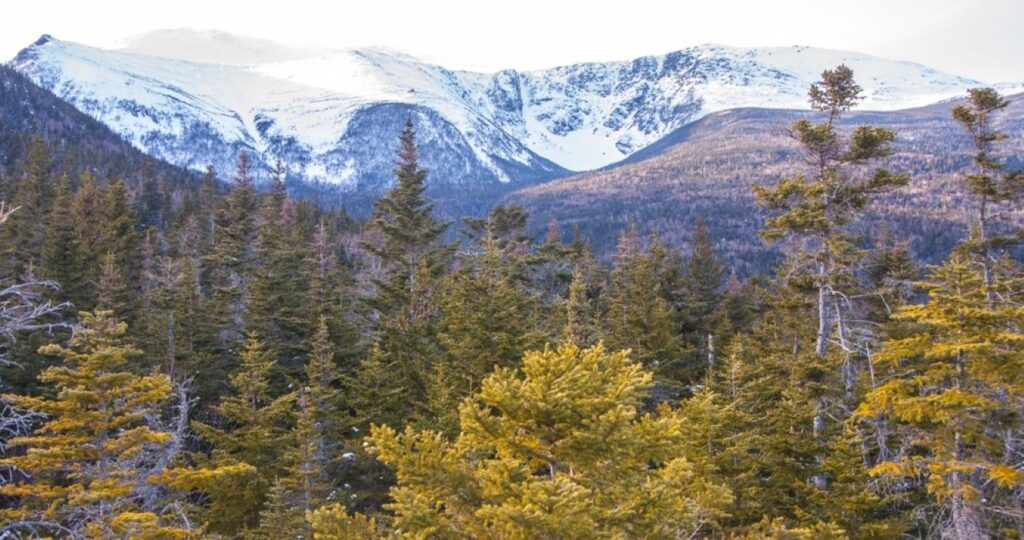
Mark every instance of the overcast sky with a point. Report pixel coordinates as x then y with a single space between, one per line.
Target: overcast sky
983 39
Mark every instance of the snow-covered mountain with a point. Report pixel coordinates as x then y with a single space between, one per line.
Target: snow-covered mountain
196 98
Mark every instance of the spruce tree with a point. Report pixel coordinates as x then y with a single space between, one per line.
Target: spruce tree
413 258
990 184
950 387
251 430
488 320
62 259
554 450
26 229
639 317
278 295
280 517
582 317
119 275
89 218
817 210
702 295
100 467
410 246
230 263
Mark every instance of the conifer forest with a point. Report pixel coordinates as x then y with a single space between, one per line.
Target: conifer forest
196 356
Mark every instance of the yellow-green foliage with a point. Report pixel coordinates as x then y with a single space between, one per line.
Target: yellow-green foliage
96 449
557 449
952 381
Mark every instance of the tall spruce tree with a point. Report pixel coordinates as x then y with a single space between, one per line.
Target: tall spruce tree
231 261
817 210
639 316
62 258
278 295
488 320
413 258
410 246
702 295
990 184
25 231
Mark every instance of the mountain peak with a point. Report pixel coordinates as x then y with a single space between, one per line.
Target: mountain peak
43 40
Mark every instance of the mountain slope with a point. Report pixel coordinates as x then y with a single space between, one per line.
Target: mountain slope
194 114
197 98
74 138
704 171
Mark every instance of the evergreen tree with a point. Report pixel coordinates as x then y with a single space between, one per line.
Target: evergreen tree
702 295
413 260
231 262
278 306
119 276
639 317
953 386
555 451
62 259
96 459
410 246
488 320
251 430
332 296
89 218
280 517
25 230
818 210
582 318
990 184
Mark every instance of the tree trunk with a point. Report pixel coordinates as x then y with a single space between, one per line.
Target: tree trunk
823 326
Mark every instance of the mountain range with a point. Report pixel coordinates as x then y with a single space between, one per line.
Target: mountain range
661 139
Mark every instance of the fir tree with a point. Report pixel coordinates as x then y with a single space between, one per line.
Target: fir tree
231 261
25 231
89 219
413 260
118 283
582 318
818 209
280 517
702 295
556 450
488 320
278 303
950 386
410 246
639 317
95 459
62 259
251 431
505 226
990 184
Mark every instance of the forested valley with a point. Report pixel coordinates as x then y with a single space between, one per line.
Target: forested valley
202 359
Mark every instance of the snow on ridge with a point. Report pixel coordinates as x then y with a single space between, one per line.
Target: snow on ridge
582 116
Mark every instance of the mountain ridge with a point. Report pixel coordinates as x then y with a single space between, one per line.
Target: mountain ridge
327 116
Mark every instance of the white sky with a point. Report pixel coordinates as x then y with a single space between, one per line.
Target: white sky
983 39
